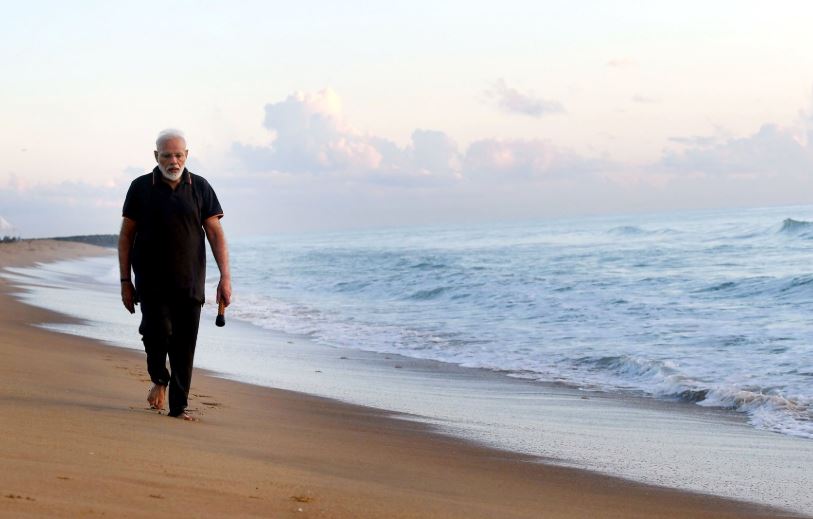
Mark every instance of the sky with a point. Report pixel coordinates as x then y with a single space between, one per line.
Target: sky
340 115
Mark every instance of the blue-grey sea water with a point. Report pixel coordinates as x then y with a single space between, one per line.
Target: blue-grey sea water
712 307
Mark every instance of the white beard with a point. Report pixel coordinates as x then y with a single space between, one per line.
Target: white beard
170 176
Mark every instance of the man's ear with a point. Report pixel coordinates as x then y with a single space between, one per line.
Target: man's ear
156 155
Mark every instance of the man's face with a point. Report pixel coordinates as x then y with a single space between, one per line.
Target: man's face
171 158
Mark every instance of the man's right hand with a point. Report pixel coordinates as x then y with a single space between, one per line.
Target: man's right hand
128 296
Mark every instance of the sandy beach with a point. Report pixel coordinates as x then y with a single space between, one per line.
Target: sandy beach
79 440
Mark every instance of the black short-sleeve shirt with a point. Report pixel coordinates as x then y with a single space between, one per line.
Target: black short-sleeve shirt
169 254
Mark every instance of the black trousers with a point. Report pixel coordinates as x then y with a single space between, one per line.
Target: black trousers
170 328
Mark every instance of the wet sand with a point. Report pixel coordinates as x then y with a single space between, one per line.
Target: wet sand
78 439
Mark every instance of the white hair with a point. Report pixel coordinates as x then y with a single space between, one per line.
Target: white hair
168 135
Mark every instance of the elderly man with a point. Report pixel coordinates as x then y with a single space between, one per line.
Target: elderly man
166 214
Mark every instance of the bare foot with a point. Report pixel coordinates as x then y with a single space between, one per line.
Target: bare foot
157 396
162 397
186 417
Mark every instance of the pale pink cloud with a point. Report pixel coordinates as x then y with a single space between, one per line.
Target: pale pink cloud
311 136
526 158
513 101
310 131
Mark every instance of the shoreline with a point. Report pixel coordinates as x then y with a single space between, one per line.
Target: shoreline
84 441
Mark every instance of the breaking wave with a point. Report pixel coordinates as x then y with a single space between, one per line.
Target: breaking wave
766 408
797 227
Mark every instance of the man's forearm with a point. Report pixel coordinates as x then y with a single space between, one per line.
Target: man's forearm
221 254
217 241
126 239
124 258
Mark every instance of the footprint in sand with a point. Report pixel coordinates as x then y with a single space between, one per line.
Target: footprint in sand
16 496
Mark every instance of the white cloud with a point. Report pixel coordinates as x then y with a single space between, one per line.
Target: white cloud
702 141
513 101
530 159
771 151
70 207
310 134
434 152
308 129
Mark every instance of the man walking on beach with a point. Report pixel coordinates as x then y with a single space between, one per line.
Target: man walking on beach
166 214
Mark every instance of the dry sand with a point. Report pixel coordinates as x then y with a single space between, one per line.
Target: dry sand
78 440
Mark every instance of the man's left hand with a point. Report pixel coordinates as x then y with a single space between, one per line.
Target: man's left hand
224 291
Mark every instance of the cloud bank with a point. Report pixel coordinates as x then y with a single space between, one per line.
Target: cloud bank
318 171
315 158
310 136
64 208
773 151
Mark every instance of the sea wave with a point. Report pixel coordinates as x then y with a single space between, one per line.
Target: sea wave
634 230
782 287
766 408
428 265
350 286
427 294
627 230
797 228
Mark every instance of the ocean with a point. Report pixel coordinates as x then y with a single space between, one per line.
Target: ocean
713 308
708 310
